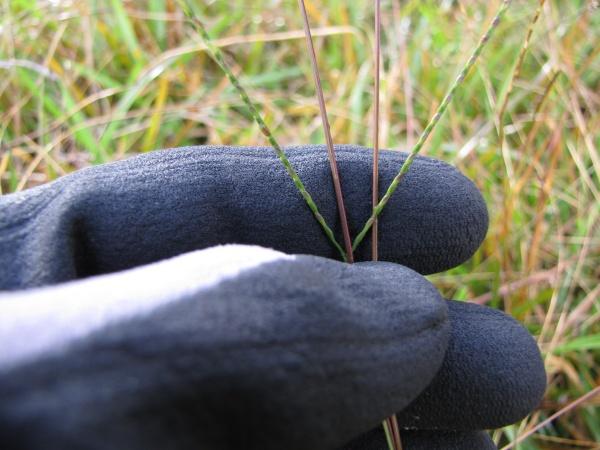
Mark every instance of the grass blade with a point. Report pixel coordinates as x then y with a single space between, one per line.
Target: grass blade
125 29
217 56
432 123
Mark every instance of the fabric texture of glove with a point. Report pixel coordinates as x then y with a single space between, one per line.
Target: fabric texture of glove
491 360
259 350
425 440
303 338
125 214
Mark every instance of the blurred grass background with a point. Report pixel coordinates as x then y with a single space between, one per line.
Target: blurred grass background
85 82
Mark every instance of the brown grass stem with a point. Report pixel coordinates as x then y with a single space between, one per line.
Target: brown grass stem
375 188
574 404
390 425
433 122
510 184
337 185
517 70
216 54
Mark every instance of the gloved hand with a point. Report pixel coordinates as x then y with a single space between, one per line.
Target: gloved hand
129 325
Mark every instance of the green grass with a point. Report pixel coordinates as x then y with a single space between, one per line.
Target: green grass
112 79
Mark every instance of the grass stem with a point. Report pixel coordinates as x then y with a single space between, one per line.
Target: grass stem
327 131
432 123
388 434
217 56
375 188
516 72
394 441
574 404
390 425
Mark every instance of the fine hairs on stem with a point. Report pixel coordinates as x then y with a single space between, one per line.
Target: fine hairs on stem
327 131
216 54
433 122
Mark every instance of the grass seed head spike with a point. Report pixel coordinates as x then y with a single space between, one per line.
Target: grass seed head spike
217 56
517 71
327 131
433 122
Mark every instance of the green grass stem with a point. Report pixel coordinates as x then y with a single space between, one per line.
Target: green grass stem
432 123
217 56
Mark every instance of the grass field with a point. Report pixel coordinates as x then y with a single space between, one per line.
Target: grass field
84 82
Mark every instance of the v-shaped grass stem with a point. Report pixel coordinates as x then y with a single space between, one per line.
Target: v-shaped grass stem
217 56
432 123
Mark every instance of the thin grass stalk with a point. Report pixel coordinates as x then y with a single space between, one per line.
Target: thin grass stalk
337 186
526 173
574 404
517 70
508 184
375 187
514 75
510 195
390 425
216 54
389 437
433 122
396 431
392 433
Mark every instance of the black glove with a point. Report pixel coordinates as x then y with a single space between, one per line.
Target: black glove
240 346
